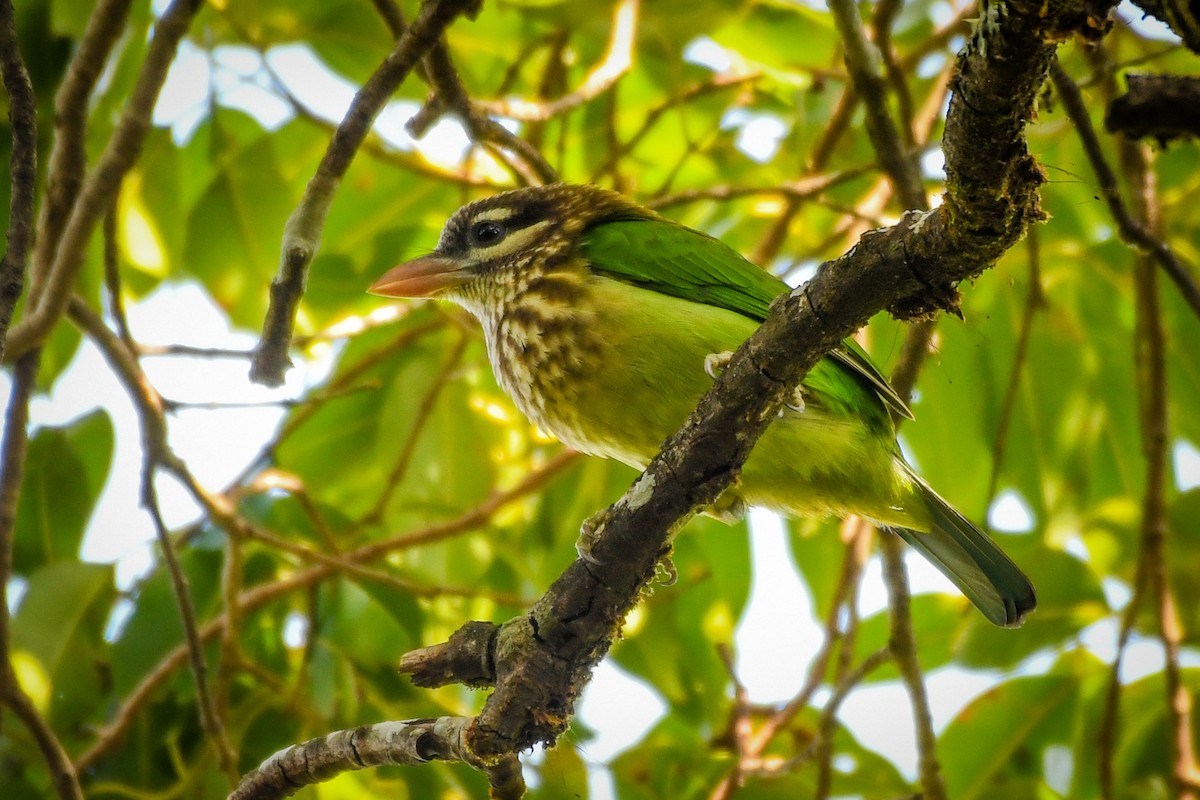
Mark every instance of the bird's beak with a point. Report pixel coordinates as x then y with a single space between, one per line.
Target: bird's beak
421 277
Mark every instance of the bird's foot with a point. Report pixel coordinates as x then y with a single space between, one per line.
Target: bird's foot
589 533
730 508
666 572
796 403
714 363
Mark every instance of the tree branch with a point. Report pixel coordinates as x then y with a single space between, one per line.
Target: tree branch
22 162
49 300
1180 16
1162 107
412 741
1130 229
68 159
544 658
210 720
302 232
866 66
451 96
157 453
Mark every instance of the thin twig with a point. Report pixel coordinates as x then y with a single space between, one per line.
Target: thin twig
210 721
230 659
1130 229
257 596
856 537
345 564
796 191
417 427
553 81
902 644
12 469
882 21
740 729
822 748
99 189
112 280
616 62
450 95
902 641
302 232
374 145
342 383
392 16
1035 300
715 84
157 453
1151 580
957 25
865 64
22 161
1150 362
1108 730
317 398
68 160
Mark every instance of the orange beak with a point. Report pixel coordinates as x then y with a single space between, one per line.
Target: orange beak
422 277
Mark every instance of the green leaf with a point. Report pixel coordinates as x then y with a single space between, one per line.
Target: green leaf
938 622
65 470
361 629
227 244
1144 750
60 623
818 552
1183 557
1000 725
673 760
153 628
563 774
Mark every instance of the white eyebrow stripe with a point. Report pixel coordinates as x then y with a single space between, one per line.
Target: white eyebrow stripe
498 214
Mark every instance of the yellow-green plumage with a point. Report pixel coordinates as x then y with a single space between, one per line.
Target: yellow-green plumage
599 317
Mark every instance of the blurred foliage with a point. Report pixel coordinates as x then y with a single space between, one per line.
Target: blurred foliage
409 435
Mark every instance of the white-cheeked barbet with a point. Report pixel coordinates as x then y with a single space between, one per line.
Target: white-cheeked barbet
604 320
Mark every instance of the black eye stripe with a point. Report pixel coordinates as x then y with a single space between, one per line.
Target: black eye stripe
489 225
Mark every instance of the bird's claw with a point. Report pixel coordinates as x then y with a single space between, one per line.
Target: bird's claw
714 363
730 508
796 403
589 533
666 569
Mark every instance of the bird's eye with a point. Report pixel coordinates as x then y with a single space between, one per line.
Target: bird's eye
487 233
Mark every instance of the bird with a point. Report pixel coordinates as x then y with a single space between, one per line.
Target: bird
605 323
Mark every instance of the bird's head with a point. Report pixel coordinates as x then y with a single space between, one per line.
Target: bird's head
491 249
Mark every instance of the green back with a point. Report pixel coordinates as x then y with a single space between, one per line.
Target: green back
669 258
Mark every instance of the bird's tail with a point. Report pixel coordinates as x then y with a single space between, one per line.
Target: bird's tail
969 558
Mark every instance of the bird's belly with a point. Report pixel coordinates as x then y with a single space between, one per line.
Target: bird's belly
636 371
806 463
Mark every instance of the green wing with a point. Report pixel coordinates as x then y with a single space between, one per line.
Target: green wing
684 263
